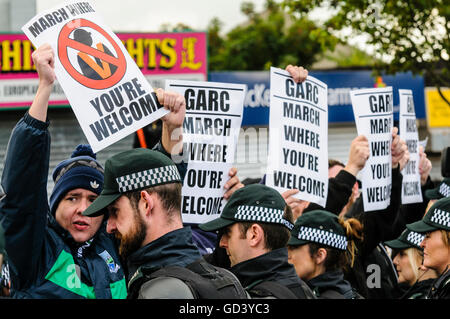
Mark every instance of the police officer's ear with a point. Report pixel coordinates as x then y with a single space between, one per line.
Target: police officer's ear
255 235
320 256
147 201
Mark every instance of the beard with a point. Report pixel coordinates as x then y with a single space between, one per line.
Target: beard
132 241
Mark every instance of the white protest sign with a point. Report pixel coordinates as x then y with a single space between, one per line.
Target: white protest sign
108 93
298 137
210 135
373 110
411 189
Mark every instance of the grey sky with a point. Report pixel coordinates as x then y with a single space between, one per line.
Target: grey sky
149 15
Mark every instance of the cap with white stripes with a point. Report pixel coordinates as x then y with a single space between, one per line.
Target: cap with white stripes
437 217
252 203
148 178
440 191
133 170
262 214
319 226
407 239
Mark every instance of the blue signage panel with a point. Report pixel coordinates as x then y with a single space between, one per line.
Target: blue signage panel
340 83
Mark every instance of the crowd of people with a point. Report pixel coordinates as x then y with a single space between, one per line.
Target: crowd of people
116 231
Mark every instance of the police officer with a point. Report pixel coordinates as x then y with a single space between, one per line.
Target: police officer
142 194
414 279
320 246
436 245
254 229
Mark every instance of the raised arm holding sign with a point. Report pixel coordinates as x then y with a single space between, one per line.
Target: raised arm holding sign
373 109
108 93
298 141
171 137
44 60
340 185
172 123
211 129
424 166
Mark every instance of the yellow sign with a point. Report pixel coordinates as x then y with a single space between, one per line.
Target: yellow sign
438 111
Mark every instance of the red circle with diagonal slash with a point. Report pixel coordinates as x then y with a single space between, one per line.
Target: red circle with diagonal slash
64 42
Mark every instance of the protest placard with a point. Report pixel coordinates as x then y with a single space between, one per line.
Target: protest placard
210 134
411 189
298 137
107 92
159 56
373 110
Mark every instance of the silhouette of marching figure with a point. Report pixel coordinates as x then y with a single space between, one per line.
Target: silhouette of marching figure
94 69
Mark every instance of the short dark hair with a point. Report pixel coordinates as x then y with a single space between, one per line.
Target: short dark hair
276 235
170 195
333 162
